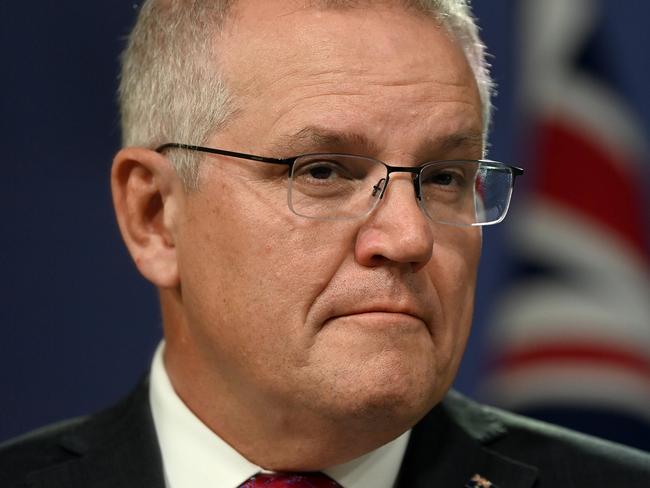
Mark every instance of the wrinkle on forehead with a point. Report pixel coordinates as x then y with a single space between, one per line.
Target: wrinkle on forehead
305 44
313 136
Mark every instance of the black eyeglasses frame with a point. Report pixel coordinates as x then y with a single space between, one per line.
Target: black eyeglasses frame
415 170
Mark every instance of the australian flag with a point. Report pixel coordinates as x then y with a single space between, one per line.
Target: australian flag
570 338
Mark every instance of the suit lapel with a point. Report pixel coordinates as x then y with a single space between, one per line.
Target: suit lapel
117 449
448 448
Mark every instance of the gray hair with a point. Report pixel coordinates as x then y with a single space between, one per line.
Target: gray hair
171 89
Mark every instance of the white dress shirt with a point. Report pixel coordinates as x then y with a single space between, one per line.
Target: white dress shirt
195 457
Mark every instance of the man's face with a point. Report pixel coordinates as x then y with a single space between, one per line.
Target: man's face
352 321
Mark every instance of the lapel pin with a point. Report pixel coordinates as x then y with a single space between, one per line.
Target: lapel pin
478 481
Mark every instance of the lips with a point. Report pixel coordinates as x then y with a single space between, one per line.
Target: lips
380 310
411 311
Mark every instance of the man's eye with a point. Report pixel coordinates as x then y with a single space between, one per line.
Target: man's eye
320 172
442 179
445 178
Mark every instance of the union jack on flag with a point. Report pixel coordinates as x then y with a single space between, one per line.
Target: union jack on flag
570 339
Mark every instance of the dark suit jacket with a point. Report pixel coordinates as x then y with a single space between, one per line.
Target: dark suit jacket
117 448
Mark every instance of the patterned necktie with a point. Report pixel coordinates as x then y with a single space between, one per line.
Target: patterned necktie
290 480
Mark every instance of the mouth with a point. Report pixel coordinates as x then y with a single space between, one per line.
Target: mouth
380 311
379 315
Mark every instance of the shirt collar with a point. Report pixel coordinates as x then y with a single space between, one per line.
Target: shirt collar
195 457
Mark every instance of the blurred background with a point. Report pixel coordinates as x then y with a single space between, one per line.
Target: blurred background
562 322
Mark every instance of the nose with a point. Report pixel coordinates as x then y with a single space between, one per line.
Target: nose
397 231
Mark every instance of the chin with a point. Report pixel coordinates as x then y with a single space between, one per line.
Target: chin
387 399
371 379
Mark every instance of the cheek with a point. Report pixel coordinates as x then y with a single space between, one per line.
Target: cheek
251 276
305 255
455 259
453 273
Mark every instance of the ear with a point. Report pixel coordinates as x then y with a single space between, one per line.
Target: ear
148 199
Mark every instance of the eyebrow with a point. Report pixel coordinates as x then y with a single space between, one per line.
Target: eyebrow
462 140
312 137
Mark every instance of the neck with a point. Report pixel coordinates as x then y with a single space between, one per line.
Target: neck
271 436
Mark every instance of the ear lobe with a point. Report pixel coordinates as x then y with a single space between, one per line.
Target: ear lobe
147 196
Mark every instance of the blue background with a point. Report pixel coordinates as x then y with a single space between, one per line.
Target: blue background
78 324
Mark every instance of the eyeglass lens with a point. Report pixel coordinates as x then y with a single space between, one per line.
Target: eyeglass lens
333 186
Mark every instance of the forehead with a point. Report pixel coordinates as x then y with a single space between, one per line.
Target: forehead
291 60
315 40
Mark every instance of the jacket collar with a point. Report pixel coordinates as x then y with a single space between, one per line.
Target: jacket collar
116 449
450 446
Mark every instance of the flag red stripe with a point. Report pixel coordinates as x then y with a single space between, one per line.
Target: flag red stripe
576 171
577 353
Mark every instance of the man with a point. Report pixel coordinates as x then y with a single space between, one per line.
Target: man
302 183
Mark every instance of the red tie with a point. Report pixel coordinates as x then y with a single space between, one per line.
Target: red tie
290 480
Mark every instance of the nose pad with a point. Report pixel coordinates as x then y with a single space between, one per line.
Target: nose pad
416 187
380 187
379 190
382 184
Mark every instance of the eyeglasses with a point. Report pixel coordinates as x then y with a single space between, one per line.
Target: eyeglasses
343 186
